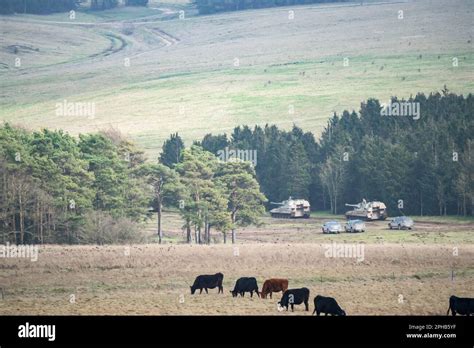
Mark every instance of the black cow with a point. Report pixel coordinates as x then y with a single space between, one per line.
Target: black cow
327 305
295 296
208 282
245 284
463 306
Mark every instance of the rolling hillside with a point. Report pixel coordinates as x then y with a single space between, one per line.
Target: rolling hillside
150 73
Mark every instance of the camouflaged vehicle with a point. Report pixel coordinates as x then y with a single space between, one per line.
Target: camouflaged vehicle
291 209
367 211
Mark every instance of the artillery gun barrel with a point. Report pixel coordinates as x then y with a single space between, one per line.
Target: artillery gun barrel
351 205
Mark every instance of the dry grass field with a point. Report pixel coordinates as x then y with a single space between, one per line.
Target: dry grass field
210 73
152 279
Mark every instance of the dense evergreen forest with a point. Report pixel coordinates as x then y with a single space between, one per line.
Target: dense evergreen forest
427 163
98 188
213 6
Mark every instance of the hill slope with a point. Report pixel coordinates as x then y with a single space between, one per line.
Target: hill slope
211 73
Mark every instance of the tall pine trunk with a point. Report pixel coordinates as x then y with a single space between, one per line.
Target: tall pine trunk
421 204
41 225
188 233
331 203
324 198
464 205
22 221
233 218
160 232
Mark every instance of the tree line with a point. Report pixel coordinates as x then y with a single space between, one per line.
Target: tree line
213 6
52 6
419 166
98 188
55 188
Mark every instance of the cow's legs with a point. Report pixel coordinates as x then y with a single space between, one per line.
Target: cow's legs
306 305
325 314
200 292
271 296
206 290
318 313
251 294
292 307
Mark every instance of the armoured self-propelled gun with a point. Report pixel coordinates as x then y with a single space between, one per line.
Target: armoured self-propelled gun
291 209
367 211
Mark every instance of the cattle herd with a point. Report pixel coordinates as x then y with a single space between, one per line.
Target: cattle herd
292 297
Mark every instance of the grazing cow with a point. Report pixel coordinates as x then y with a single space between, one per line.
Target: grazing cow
273 285
245 284
295 296
327 305
463 306
208 282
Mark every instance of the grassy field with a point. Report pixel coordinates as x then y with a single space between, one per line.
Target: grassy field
155 279
402 272
429 230
211 73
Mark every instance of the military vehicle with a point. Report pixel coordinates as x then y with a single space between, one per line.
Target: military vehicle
367 211
291 209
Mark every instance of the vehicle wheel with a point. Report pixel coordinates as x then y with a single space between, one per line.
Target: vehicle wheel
409 228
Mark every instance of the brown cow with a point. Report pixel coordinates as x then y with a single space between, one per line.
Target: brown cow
273 285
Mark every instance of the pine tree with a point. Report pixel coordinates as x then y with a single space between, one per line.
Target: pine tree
172 151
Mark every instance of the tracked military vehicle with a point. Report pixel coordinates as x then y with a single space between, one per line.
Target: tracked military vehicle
367 211
291 209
